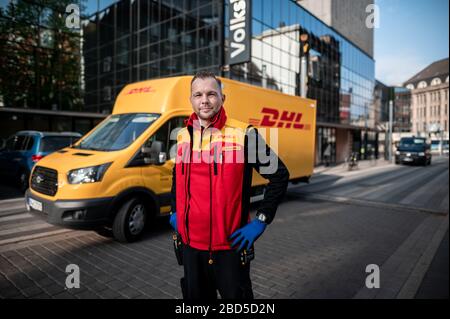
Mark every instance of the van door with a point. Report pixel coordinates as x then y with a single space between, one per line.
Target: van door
158 178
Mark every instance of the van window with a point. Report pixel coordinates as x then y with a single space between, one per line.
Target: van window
54 143
118 131
163 134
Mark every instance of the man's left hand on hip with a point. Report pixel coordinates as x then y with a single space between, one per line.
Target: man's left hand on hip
248 234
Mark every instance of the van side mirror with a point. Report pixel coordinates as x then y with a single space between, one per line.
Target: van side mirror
154 154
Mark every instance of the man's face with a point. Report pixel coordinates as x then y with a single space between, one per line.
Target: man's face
206 98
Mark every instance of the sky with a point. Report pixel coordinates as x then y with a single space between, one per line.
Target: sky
412 35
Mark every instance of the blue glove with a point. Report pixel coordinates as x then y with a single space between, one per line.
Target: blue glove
173 221
248 234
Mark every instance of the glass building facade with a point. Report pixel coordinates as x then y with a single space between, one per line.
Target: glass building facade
134 40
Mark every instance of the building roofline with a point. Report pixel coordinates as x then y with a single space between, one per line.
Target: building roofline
410 80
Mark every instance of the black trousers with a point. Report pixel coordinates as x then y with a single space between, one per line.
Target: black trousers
226 275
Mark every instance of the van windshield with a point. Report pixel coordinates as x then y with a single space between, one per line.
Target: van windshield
117 132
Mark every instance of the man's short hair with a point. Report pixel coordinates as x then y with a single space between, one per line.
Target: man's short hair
205 75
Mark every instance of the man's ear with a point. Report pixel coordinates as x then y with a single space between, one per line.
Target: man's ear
223 98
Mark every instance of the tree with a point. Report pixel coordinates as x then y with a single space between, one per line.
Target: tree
39 56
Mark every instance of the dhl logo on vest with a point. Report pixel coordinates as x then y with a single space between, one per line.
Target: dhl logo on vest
288 119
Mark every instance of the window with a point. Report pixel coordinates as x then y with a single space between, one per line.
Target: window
17 143
422 85
410 86
167 134
107 64
30 143
436 81
54 143
118 131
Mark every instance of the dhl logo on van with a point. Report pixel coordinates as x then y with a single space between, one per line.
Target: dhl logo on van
146 89
288 119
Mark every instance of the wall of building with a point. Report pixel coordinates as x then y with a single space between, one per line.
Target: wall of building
346 16
320 8
430 106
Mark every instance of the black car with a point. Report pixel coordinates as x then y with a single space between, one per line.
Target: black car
413 150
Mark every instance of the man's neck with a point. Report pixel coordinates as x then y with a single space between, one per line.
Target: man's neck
204 123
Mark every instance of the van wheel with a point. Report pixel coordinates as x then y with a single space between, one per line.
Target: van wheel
129 222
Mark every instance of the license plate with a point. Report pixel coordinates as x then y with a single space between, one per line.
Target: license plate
408 159
35 204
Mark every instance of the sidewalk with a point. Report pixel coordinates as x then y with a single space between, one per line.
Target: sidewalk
342 167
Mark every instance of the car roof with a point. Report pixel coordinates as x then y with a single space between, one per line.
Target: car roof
43 134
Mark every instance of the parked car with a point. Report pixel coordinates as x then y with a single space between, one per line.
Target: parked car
413 150
25 148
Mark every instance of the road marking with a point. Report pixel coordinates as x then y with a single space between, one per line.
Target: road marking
23 229
34 236
422 190
15 216
366 203
412 285
404 270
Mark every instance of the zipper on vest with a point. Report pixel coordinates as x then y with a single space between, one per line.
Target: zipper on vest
183 157
188 195
210 211
215 160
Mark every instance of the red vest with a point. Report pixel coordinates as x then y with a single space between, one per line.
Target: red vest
209 181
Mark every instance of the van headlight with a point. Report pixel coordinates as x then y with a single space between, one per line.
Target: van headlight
421 154
87 174
397 153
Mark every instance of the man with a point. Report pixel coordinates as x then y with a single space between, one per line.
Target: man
211 195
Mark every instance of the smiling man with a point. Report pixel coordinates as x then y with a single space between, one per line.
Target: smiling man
211 195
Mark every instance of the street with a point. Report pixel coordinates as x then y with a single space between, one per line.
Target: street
323 237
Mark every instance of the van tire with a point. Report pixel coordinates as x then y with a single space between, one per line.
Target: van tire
129 223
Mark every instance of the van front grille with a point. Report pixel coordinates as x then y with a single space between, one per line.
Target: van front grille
45 180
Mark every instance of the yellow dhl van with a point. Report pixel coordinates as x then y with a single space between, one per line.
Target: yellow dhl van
119 175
